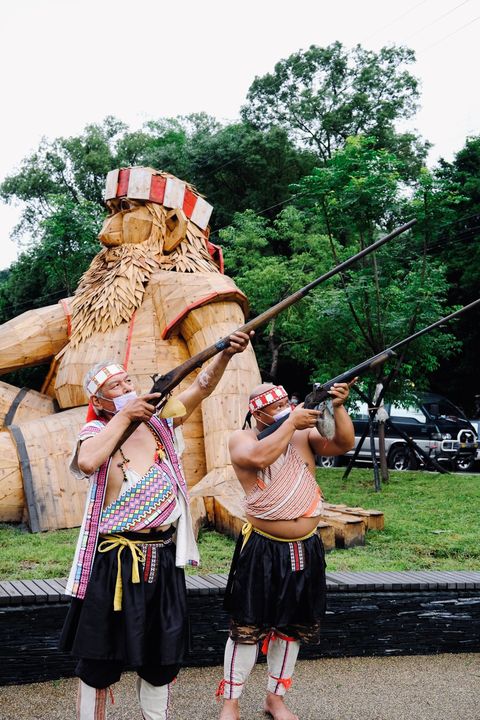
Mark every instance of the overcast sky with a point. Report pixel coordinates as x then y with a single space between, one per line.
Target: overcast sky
66 63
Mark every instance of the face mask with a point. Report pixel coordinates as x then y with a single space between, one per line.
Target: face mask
283 413
122 400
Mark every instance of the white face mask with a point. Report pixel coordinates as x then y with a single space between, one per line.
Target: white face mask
282 413
122 400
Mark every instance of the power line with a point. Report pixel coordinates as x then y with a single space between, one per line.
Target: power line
446 37
437 19
395 20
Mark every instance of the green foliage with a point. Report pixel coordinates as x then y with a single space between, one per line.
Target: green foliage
51 269
322 96
270 262
430 521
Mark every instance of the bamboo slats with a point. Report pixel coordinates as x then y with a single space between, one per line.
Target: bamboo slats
53 497
12 498
19 404
33 337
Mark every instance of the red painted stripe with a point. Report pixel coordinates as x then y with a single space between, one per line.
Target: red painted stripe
123 178
157 188
189 202
203 301
68 315
129 342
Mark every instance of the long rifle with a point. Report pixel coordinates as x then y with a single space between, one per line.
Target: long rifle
321 393
164 384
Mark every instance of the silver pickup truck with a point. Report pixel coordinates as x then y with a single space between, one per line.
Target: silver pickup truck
435 424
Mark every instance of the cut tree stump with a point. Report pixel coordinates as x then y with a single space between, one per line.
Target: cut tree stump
374 518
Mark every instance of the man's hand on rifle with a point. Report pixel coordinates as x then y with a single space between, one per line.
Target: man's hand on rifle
238 342
340 392
140 409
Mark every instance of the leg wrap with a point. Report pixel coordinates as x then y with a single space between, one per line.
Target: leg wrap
91 702
154 700
239 661
281 658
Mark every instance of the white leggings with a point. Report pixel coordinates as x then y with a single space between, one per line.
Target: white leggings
240 658
154 701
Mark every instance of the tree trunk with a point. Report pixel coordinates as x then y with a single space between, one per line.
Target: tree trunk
383 455
274 352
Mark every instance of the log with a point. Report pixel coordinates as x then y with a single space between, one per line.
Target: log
375 519
19 404
349 529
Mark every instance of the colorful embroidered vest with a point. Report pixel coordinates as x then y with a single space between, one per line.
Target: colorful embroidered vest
87 542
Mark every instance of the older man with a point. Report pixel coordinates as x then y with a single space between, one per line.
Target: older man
127 579
276 587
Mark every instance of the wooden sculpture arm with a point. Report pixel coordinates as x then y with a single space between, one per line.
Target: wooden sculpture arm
223 411
32 338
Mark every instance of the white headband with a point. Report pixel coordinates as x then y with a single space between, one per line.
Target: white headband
104 374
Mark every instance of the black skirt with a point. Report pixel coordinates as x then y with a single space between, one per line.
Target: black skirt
276 584
151 626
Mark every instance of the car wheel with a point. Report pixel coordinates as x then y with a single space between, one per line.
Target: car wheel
327 461
464 463
402 458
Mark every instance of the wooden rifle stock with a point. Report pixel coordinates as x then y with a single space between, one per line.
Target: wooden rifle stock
321 393
164 384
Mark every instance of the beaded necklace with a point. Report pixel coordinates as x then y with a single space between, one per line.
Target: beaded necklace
158 456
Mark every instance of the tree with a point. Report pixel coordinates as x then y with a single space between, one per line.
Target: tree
455 237
391 292
322 96
270 261
51 269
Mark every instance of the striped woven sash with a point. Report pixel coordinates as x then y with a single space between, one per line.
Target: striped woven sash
147 504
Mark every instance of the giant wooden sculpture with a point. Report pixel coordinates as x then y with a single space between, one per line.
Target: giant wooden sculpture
154 295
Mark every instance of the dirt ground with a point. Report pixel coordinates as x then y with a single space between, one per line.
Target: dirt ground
433 687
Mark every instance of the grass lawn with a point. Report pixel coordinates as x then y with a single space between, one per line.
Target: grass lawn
431 522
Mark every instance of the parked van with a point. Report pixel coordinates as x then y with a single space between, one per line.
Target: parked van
435 424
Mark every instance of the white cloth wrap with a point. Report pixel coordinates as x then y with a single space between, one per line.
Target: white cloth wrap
154 700
281 658
238 663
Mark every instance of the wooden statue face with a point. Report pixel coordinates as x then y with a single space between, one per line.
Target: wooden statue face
131 224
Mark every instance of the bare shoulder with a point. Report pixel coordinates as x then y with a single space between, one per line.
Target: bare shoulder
240 437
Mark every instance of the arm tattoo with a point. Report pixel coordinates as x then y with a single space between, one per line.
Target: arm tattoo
206 379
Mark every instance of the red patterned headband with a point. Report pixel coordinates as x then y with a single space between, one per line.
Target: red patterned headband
143 183
100 378
277 392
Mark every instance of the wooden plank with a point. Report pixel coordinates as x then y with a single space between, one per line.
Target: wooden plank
15 595
4 595
193 584
28 593
204 582
58 588
220 579
42 591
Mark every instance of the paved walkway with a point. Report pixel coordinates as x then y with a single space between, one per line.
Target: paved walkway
433 687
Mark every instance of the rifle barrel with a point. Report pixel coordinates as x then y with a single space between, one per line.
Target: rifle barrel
168 381
322 392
